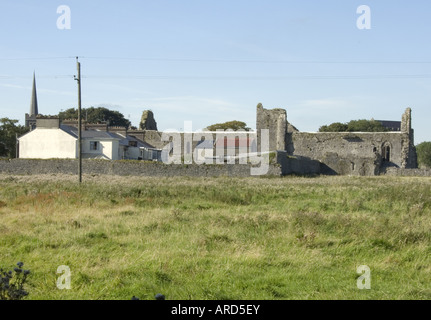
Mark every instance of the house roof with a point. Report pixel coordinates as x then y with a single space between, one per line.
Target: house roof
96 134
88 134
205 144
392 125
140 144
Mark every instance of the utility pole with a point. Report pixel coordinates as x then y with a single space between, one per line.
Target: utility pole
16 146
78 79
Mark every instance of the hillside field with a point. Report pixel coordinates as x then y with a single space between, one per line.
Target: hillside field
218 238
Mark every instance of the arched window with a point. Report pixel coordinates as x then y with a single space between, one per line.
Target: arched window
386 152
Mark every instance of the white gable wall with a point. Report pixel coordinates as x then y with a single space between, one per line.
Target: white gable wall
44 143
105 148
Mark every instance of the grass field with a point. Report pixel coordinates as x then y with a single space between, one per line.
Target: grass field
218 238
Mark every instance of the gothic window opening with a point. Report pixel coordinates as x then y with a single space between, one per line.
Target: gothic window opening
386 153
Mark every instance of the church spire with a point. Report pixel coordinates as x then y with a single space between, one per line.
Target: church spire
30 119
33 106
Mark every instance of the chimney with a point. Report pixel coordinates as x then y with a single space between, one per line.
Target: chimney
47 122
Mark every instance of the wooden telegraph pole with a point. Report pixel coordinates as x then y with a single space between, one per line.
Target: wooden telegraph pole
78 79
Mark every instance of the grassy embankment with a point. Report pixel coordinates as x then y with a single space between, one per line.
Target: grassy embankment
219 238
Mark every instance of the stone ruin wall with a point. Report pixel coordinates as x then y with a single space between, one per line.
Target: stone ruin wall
344 153
357 153
275 120
349 153
147 121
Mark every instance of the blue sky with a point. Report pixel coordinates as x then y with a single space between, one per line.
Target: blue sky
211 61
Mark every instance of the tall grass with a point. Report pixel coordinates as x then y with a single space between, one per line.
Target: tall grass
219 238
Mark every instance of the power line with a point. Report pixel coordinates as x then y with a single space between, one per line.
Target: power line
234 77
35 58
39 77
218 60
297 77
255 60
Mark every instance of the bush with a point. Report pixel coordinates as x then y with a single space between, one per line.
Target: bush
12 283
423 151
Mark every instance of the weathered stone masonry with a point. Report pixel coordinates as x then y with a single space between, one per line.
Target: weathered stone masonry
344 153
127 168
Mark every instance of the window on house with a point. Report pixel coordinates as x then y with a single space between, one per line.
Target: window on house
133 143
94 145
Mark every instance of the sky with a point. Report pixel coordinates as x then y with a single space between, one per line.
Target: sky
211 61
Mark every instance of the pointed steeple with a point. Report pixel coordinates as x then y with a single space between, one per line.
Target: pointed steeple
33 106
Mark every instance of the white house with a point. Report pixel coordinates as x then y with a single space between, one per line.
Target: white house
51 139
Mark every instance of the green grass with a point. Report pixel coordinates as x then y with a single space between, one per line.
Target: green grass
219 238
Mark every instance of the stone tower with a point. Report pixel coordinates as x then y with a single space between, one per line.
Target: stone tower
147 121
275 120
30 118
409 156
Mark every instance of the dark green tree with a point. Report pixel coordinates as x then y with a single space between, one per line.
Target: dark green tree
9 130
234 125
365 126
69 114
334 127
423 151
96 115
354 126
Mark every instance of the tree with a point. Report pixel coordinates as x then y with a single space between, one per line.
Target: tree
423 151
354 126
233 125
9 130
334 127
96 115
365 126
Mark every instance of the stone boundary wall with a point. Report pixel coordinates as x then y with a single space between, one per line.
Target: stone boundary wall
286 165
128 168
406 172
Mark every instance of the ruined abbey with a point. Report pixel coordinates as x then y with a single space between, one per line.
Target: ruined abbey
343 153
291 151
